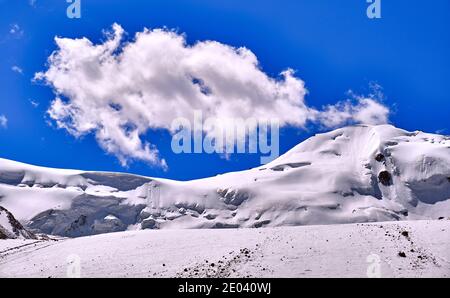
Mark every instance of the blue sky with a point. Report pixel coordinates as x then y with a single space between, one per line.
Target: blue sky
331 44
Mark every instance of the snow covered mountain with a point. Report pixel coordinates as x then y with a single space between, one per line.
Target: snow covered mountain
10 228
354 174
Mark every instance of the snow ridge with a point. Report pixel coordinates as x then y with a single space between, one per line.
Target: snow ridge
10 228
354 174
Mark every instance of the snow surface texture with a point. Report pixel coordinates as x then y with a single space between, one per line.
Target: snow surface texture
354 174
10 228
394 249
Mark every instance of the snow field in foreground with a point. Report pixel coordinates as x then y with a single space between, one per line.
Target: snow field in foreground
394 249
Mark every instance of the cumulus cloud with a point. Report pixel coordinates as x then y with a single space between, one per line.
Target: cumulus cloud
3 121
120 90
366 110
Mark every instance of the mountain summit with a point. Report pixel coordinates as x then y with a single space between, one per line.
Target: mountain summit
353 174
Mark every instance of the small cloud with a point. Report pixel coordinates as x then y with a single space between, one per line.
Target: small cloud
3 121
15 30
32 3
17 69
34 103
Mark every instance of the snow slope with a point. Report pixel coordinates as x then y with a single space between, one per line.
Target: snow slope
10 228
354 174
393 249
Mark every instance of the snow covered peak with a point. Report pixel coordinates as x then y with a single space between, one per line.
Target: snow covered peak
353 174
10 228
359 140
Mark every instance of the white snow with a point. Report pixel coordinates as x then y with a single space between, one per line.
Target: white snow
310 251
111 217
4 222
6 229
328 179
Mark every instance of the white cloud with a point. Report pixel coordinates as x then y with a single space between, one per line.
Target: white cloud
119 91
3 121
15 30
367 110
370 111
17 69
32 2
34 103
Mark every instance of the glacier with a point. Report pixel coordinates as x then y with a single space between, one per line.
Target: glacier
354 174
